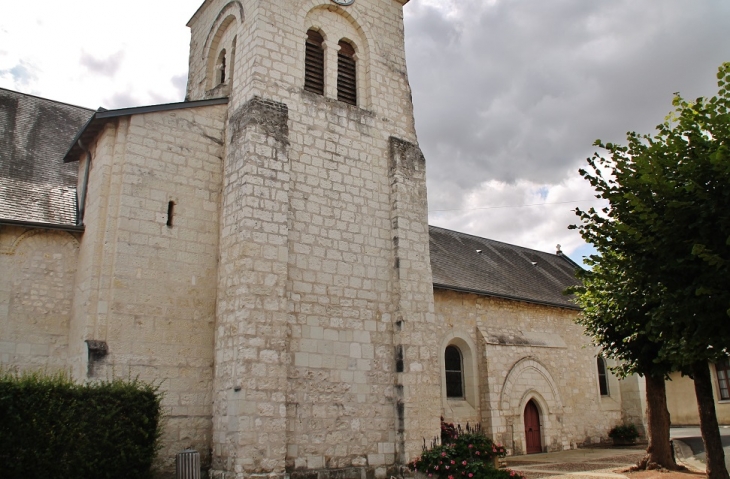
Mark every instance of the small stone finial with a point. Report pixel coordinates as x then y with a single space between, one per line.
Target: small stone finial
559 251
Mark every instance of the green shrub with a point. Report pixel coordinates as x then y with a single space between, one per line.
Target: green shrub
625 432
53 428
462 454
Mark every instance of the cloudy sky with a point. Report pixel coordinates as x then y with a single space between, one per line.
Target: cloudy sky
509 94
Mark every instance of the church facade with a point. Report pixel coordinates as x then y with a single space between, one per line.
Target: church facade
262 251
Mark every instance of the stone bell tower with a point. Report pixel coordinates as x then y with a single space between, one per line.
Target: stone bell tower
326 356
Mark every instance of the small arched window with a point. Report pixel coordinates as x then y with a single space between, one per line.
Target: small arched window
454 372
221 67
314 63
602 376
346 74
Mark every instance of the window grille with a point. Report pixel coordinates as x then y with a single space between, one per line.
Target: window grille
346 74
454 372
314 63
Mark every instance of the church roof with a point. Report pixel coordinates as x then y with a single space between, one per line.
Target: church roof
462 262
35 185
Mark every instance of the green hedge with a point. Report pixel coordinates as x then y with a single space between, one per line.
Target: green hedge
53 428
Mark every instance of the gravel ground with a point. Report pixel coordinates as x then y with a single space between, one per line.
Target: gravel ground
665 475
573 467
535 475
629 459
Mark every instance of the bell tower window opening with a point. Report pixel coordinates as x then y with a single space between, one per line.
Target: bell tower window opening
314 63
454 373
221 67
346 73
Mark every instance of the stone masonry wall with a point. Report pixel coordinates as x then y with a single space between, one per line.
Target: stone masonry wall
145 287
252 334
525 352
416 330
36 288
352 209
345 213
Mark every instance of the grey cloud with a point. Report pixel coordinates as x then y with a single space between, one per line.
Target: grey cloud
128 98
158 99
124 99
180 82
103 66
521 89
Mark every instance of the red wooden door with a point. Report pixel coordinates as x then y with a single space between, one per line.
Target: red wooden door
532 428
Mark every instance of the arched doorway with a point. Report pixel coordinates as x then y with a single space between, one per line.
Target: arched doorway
532 428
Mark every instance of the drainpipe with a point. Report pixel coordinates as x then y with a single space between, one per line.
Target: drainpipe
81 201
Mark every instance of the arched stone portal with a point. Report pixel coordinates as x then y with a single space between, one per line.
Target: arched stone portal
529 381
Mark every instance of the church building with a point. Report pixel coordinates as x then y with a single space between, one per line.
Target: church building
262 251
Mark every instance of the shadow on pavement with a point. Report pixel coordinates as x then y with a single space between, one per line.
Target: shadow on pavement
697 446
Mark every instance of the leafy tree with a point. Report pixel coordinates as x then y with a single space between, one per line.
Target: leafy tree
614 313
657 296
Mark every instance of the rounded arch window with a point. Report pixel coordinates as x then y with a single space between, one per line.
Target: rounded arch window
454 366
346 73
314 62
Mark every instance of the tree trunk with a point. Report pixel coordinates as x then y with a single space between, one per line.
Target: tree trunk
708 422
659 452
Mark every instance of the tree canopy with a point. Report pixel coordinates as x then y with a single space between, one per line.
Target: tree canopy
658 294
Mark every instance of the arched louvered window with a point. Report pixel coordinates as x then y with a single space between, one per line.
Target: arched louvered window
602 376
314 63
346 74
454 372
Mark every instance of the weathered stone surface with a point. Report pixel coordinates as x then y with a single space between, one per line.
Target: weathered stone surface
559 375
145 288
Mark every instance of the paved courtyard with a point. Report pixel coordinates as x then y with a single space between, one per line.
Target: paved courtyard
578 463
604 463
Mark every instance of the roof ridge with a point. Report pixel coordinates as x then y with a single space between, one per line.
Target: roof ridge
495 241
48 99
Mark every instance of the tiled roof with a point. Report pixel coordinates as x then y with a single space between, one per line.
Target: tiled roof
35 185
468 263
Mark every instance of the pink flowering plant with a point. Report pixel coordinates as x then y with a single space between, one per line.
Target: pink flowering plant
461 454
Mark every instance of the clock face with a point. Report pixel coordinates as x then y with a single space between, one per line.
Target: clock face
344 3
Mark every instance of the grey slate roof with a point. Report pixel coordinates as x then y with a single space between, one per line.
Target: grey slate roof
35 185
502 270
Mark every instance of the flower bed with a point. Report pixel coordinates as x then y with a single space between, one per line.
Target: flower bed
462 453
